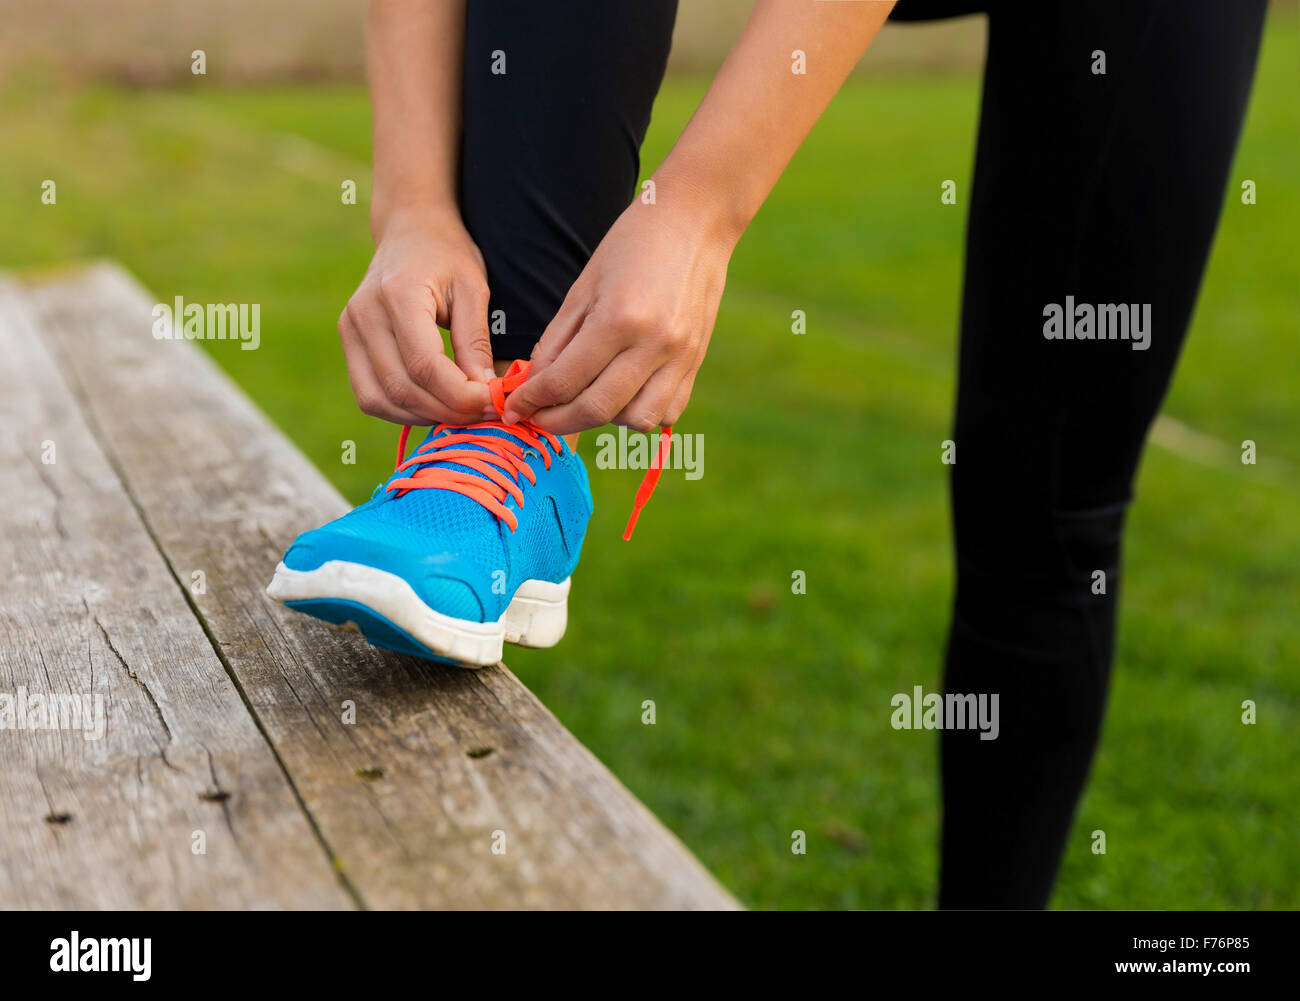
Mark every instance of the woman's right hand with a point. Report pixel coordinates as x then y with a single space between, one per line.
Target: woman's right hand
427 272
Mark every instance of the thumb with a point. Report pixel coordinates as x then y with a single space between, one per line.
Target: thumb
470 344
545 388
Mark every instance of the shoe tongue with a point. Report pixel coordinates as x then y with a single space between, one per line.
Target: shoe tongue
434 462
488 432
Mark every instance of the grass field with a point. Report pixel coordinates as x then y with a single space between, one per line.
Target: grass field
822 455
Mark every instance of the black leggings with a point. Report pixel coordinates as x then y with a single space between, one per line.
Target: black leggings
1101 187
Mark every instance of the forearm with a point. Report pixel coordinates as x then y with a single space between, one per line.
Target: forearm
758 111
414 54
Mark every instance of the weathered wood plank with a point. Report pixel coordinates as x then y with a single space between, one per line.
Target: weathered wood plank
405 796
89 610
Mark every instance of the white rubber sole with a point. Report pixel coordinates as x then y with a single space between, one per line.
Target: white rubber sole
536 617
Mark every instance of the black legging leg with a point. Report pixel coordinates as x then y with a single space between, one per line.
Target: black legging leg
552 145
1104 188
1108 189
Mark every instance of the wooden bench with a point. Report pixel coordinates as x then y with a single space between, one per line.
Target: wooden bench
146 502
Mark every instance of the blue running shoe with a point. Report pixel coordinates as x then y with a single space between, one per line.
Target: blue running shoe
470 543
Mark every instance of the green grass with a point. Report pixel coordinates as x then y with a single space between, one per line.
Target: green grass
822 455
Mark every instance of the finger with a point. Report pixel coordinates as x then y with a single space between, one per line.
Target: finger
575 369
673 412
393 378
681 396
412 317
365 387
469 330
599 402
645 411
563 327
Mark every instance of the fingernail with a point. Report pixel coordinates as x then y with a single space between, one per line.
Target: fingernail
510 417
489 375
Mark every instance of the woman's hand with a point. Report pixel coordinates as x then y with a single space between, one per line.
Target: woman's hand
632 332
426 272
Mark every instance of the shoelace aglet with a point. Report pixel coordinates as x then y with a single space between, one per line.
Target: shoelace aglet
647 487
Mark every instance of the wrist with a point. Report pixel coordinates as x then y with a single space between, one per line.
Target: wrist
705 197
425 212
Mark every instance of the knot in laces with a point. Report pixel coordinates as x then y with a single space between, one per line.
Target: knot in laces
490 465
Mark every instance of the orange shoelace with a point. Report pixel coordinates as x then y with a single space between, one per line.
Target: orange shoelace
497 462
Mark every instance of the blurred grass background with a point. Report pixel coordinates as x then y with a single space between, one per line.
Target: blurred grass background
822 452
